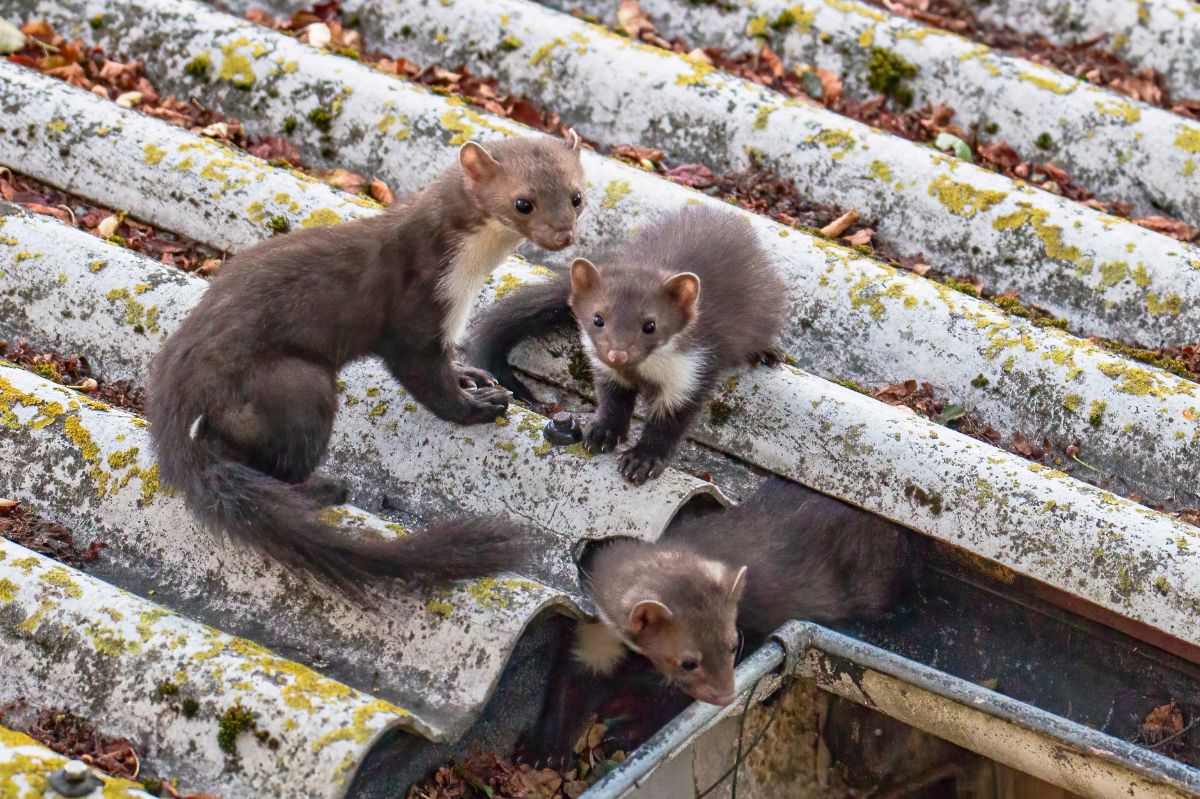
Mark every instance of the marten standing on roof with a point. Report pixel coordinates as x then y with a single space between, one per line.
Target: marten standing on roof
243 397
693 296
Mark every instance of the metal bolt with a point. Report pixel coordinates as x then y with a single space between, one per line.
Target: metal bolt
74 779
563 430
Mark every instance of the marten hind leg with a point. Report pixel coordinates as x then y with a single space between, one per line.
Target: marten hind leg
281 419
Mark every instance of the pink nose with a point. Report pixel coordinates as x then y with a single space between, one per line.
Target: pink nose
617 357
564 237
721 700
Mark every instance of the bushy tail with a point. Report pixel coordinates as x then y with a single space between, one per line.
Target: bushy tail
277 519
532 310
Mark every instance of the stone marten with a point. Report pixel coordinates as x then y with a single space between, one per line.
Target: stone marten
785 553
242 396
693 296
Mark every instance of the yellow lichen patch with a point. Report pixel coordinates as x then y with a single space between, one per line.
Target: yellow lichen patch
30 624
1043 82
543 52
1189 168
700 71
507 283
866 38
154 154
881 171
869 292
453 120
137 316
1049 235
840 141
1142 382
764 113
359 731
1188 140
1141 278
57 125
1171 304
614 192
439 608
61 576
320 218
493 592
856 8
8 590
1071 402
235 66
963 199
1119 109
1112 273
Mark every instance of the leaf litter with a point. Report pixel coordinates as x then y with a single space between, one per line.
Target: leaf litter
1087 60
78 738
90 68
888 111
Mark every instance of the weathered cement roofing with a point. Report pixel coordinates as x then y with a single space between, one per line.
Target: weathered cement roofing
1037 381
437 656
1123 148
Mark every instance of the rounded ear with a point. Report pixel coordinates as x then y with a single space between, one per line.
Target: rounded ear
739 584
585 277
647 613
573 140
477 163
683 290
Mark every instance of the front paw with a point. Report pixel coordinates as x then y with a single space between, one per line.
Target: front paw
485 405
469 377
637 465
602 438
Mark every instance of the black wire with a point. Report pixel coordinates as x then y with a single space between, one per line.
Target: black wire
744 751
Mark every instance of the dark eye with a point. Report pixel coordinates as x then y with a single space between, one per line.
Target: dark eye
688 665
524 206
648 328
576 200
598 320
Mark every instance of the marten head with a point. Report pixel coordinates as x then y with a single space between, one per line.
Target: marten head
674 607
534 186
630 311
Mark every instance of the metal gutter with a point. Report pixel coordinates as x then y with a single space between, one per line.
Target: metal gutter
1077 758
138 670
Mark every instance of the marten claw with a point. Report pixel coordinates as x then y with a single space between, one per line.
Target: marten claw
469 377
770 357
486 404
601 438
638 467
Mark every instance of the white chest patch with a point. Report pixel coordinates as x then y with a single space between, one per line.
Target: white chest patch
597 648
675 372
478 254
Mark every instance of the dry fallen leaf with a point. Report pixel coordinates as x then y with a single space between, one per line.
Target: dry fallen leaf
108 226
839 226
380 191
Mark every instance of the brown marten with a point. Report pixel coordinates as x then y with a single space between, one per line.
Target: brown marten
242 396
785 553
691 297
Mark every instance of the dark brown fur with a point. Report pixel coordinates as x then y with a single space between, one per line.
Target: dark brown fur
712 293
242 396
807 556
